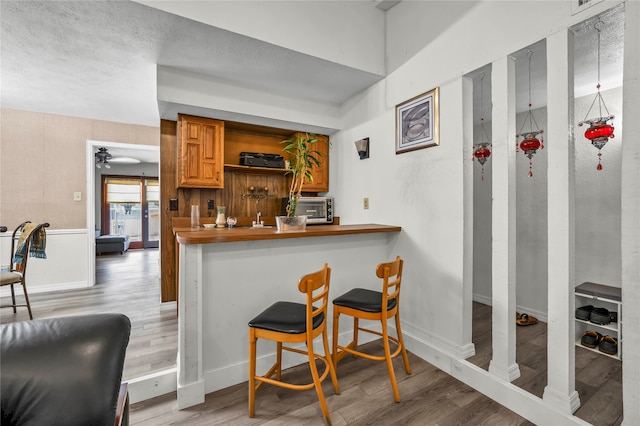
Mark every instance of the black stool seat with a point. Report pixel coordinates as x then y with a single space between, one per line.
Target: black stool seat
363 300
285 317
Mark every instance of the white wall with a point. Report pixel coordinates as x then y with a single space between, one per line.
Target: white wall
598 198
598 204
422 190
59 271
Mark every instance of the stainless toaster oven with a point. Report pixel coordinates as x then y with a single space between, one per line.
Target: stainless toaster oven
318 210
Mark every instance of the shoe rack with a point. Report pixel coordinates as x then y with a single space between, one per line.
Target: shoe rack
600 296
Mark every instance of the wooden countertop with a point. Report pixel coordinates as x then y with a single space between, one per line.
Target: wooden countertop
232 235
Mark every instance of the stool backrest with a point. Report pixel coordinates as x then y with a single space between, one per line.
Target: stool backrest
391 274
316 287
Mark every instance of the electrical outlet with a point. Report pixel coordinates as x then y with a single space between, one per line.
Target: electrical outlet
173 204
211 204
366 203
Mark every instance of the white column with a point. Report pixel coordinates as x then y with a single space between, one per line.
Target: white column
189 363
467 167
503 217
560 390
630 214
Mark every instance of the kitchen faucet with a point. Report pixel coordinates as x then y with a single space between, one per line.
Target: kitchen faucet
258 223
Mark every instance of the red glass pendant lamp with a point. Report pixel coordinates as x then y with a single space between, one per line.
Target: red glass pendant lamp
599 131
481 150
530 142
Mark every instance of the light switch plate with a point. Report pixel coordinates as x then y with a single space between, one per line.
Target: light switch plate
366 203
77 196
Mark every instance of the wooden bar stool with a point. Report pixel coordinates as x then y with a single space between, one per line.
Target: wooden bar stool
376 306
288 322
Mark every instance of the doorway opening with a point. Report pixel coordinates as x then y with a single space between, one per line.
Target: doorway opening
131 206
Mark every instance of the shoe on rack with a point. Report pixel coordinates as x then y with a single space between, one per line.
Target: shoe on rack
591 339
600 316
583 312
609 345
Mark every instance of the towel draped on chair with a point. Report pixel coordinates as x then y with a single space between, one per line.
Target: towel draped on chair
38 243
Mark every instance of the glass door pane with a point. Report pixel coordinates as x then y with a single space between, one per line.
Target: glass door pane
152 190
124 198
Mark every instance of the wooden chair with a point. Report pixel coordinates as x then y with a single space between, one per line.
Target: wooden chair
376 306
288 322
17 271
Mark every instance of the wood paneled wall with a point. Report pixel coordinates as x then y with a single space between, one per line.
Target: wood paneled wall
238 138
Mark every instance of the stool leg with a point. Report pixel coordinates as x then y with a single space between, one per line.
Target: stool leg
387 355
407 367
13 299
330 363
336 319
316 381
26 298
356 325
252 372
279 361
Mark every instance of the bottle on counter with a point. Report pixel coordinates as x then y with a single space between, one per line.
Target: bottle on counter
221 220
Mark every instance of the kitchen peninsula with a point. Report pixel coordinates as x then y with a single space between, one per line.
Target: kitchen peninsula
227 276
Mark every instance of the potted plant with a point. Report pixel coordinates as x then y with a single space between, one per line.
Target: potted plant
302 158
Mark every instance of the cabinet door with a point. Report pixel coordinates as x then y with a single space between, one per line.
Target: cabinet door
200 152
320 173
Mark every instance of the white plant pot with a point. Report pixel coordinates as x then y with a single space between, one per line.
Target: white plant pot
294 223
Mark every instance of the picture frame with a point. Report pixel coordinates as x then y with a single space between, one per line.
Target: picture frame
418 122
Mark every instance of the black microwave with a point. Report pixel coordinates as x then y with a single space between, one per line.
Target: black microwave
318 210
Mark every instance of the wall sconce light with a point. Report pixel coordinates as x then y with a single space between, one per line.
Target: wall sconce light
363 148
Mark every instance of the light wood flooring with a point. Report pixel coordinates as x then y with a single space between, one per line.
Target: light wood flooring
129 284
598 377
428 397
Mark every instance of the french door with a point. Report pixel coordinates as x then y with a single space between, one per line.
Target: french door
131 206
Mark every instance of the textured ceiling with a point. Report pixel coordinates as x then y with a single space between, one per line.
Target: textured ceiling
98 60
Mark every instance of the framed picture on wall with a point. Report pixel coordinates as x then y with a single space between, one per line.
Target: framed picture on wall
417 122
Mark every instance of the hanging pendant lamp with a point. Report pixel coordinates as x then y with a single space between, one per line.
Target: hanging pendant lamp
530 142
481 151
599 131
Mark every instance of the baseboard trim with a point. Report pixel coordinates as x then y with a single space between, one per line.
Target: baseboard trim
153 385
6 291
511 396
540 316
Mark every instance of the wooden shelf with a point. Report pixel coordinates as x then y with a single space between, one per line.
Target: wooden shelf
254 170
596 350
602 326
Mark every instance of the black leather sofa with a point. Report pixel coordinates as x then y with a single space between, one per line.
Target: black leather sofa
64 371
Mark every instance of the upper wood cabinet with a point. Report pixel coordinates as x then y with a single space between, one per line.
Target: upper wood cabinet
320 174
200 152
